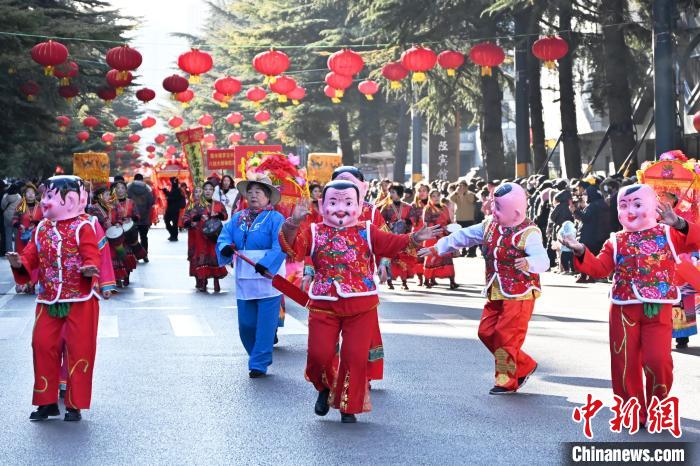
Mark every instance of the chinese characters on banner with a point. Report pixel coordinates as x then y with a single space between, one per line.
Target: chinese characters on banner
320 166
92 167
191 140
242 153
443 153
661 415
221 159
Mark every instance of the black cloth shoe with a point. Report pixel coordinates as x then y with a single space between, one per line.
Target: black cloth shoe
523 380
145 260
347 418
72 415
496 390
682 342
277 340
321 407
42 413
256 374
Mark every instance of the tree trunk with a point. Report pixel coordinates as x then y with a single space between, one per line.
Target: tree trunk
491 130
567 97
617 86
539 150
402 139
345 139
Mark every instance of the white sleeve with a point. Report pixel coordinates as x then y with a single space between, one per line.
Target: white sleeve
537 257
464 238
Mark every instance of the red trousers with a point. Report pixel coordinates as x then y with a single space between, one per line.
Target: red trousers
375 370
80 331
349 391
641 346
502 329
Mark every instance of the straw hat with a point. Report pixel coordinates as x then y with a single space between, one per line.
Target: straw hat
260 178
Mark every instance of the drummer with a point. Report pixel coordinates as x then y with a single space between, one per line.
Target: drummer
254 232
122 213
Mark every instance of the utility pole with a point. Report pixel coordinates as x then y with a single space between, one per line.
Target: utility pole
522 110
664 95
416 142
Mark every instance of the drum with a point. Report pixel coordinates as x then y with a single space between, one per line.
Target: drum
115 236
131 232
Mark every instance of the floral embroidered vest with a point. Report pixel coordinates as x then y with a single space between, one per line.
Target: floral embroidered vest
343 260
645 265
501 249
59 261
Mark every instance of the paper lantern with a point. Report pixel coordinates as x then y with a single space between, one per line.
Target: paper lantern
228 86
331 92
282 86
234 138
108 138
195 62
30 89
170 150
68 92
121 122
450 60
262 116
394 72
145 95
487 55
256 95
209 138
160 139
260 136
175 122
150 148
339 82
134 138
418 60
346 62
271 63
235 119
222 99
83 136
108 94
90 122
368 88
129 147
175 84
549 49
119 80
185 97
696 122
148 122
297 94
66 71
49 54
63 122
124 59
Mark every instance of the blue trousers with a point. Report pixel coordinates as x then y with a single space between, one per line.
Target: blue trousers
257 324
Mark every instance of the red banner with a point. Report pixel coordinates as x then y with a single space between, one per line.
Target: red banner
242 153
221 159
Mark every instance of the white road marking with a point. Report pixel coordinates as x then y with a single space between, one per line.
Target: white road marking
108 327
188 325
8 295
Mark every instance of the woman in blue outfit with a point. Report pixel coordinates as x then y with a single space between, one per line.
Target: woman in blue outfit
254 232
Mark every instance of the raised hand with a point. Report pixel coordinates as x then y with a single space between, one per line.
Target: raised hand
522 264
572 243
427 233
666 214
301 210
425 252
383 274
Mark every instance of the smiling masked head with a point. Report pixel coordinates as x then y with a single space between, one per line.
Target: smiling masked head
61 198
340 204
636 207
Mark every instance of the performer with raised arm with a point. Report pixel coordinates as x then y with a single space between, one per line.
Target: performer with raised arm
515 257
344 295
643 258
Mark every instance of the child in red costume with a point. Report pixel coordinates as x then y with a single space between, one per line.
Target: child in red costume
27 217
344 296
643 257
515 257
66 253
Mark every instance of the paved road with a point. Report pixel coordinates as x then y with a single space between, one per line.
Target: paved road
171 381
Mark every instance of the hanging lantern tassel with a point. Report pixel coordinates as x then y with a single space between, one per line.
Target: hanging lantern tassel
550 65
194 79
339 93
48 71
369 96
395 85
451 72
124 74
486 71
185 105
295 102
335 100
223 104
418 77
120 90
282 98
64 81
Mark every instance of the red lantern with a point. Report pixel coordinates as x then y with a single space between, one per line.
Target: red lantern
450 60
63 122
175 84
148 122
260 136
297 94
108 94
171 150
108 138
270 64
129 147
339 82
256 95
83 136
487 55
119 80
134 138
185 97
68 92
66 71
419 60
150 148
368 88
160 139
209 138
234 138
175 122
90 122
346 62
696 122
282 86
145 95
394 72
196 63
30 89
206 120
262 116
549 49
331 92
121 122
228 86
222 99
124 59
152 156
235 119
49 54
